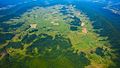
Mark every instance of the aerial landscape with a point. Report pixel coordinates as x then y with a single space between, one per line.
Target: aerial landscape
59 34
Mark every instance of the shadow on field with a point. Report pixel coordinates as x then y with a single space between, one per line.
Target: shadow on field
57 48
49 52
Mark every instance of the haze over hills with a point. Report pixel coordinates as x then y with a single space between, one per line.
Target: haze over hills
111 5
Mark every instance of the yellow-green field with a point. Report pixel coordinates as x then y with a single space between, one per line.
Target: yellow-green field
58 40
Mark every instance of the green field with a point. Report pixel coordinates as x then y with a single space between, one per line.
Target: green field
57 40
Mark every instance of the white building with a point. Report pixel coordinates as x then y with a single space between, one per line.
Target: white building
33 26
82 24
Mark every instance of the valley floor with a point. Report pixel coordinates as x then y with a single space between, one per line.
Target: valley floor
53 37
